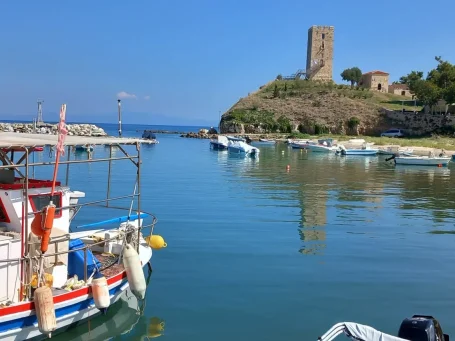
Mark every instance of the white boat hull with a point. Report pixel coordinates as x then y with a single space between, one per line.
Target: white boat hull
422 161
243 149
320 149
77 306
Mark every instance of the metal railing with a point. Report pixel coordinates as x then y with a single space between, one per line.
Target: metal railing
24 162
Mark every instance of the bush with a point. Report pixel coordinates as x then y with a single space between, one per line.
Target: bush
284 124
353 122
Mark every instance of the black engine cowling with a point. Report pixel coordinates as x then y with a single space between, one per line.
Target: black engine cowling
421 328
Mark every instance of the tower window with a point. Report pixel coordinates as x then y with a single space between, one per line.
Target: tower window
323 35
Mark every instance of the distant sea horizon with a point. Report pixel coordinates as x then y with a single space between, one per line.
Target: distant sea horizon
167 126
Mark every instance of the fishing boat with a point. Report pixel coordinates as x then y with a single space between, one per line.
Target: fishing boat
242 149
220 143
323 146
235 138
439 161
267 141
149 135
366 150
54 273
416 328
84 148
301 144
396 150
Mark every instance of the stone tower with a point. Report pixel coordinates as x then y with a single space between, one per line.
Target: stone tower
319 62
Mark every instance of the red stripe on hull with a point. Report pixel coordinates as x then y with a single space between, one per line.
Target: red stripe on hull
23 307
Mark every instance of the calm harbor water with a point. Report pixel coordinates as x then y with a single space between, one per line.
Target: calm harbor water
259 253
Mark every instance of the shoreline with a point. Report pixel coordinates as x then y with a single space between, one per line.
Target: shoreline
379 142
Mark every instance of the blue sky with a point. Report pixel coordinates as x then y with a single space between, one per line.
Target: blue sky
184 61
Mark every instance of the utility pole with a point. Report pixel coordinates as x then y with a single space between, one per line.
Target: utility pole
119 105
39 119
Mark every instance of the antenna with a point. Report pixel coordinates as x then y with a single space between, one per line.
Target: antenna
39 119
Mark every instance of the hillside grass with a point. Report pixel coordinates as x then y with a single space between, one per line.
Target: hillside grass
295 88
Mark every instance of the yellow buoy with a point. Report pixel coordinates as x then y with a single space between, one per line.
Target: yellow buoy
155 328
155 241
48 280
45 312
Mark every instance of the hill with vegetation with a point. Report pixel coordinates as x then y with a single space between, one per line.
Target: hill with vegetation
319 107
311 107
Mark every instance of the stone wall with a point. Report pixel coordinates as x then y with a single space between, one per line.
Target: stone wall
419 123
400 89
73 129
320 47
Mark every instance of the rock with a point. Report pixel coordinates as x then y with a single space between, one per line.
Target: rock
52 129
212 131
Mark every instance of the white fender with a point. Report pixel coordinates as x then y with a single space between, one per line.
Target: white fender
134 271
45 312
100 291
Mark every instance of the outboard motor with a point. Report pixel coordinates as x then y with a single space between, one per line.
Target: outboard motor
394 155
421 328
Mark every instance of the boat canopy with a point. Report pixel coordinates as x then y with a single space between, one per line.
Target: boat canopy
9 140
358 332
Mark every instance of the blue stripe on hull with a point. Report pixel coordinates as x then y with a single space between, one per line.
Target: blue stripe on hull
28 321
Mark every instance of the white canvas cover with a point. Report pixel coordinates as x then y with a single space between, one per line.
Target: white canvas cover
367 333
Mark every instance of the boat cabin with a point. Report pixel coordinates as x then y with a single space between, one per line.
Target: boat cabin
12 219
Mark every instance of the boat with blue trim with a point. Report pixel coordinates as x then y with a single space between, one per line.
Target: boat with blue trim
54 273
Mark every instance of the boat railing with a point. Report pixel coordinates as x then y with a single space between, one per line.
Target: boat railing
85 249
25 167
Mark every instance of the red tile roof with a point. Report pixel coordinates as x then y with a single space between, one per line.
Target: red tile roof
377 72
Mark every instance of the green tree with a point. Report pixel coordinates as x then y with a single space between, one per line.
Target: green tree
411 78
279 77
276 92
440 83
353 75
427 92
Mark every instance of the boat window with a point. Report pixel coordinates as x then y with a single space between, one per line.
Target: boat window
39 201
3 215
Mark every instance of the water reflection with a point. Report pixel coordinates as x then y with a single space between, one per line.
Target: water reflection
349 192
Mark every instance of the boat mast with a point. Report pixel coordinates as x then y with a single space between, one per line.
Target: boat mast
119 106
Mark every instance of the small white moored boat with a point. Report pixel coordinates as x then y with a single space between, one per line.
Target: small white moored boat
242 148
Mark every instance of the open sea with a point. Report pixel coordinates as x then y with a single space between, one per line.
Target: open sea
256 252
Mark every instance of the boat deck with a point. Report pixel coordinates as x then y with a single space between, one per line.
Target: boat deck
112 270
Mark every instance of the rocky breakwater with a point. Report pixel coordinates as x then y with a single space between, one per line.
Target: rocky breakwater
52 129
202 134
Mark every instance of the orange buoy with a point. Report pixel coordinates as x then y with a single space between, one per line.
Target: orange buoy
42 225
45 312
100 292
